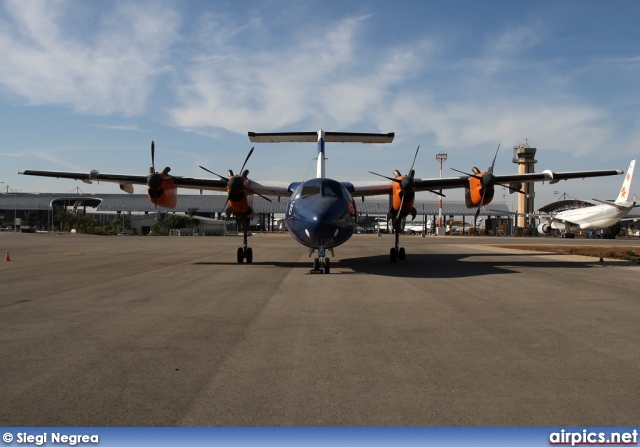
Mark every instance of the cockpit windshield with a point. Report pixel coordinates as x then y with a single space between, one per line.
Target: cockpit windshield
331 189
310 190
324 187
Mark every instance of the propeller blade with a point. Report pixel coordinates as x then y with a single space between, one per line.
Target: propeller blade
466 173
414 162
475 219
246 160
399 209
510 188
258 194
153 156
490 171
384 176
211 172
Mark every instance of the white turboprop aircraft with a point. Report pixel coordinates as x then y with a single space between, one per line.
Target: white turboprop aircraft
591 218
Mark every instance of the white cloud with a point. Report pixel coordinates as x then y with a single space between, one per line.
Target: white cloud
332 80
51 55
324 78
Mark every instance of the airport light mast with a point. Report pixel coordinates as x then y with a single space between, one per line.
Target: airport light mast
441 157
15 207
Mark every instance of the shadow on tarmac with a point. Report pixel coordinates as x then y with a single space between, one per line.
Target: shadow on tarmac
451 265
428 265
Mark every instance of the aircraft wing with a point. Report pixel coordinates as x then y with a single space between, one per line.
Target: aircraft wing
513 180
357 190
95 176
205 184
89 177
369 189
552 218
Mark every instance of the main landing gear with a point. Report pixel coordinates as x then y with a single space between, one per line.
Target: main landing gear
397 253
245 252
321 264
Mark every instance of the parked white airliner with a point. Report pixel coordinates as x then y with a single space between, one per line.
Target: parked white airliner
591 218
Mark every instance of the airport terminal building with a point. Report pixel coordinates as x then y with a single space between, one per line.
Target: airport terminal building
38 211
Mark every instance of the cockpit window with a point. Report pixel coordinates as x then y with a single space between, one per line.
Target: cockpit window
310 190
331 189
324 187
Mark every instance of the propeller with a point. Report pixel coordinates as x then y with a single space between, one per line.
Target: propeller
488 180
154 179
406 183
235 183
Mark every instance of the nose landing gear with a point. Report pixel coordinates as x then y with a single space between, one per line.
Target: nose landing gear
321 264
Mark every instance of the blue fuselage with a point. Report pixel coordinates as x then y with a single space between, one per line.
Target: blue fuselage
321 212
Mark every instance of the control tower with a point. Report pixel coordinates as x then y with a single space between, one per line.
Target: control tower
524 157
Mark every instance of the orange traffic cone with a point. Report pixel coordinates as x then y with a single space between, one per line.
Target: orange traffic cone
601 259
7 257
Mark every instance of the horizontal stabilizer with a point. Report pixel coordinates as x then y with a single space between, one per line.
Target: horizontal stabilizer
312 137
616 205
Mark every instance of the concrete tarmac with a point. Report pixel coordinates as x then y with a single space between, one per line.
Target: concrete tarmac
171 331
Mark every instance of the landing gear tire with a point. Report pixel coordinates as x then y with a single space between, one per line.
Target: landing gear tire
401 254
327 265
240 255
248 254
316 264
393 255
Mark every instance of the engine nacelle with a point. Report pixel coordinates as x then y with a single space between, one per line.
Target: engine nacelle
397 195
240 198
473 193
126 187
166 195
544 228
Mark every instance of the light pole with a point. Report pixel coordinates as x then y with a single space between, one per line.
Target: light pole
441 157
15 206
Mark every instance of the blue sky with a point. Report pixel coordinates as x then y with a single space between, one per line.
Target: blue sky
88 85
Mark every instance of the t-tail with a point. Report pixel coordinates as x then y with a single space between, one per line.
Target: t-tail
321 137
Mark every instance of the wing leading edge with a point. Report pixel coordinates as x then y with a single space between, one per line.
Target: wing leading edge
126 181
434 184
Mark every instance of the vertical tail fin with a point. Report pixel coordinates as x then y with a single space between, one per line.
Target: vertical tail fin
625 191
320 165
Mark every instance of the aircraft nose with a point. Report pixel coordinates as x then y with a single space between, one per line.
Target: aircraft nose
329 223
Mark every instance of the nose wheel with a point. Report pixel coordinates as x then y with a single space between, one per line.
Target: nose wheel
321 264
